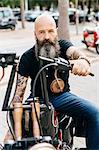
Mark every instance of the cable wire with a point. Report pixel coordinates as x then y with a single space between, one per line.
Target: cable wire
33 94
1 147
2 74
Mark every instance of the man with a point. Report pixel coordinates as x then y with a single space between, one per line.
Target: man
48 45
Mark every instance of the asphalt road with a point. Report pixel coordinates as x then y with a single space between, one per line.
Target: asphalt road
22 39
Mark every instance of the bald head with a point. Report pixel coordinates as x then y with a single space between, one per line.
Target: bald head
43 19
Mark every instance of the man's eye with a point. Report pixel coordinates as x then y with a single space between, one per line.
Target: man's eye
41 32
51 31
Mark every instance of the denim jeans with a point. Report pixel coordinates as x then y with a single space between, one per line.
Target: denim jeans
77 107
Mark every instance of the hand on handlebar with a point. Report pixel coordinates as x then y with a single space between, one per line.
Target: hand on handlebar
80 67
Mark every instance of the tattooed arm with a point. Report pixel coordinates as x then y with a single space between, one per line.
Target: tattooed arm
20 88
73 53
80 60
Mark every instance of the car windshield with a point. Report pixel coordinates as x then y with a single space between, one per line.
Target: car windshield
7 13
1 15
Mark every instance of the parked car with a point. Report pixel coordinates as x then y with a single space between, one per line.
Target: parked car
32 15
97 16
71 13
7 19
17 13
82 15
55 15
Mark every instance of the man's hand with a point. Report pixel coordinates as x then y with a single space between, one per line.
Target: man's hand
80 67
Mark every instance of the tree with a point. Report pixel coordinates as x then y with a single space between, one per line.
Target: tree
22 13
77 20
11 3
32 3
63 23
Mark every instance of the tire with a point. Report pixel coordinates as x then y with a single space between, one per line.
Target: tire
42 146
97 48
12 27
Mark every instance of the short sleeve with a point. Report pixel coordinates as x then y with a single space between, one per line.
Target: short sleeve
64 45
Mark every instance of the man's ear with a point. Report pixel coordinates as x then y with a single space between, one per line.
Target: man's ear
57 29
34 33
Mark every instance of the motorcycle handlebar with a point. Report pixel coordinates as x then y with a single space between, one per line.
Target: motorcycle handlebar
62 63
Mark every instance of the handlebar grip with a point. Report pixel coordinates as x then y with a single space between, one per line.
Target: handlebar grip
91 74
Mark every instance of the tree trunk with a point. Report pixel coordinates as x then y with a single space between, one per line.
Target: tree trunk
77 17
22 13
63 22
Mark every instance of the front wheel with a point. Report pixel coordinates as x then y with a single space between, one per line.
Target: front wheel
42 146
97 48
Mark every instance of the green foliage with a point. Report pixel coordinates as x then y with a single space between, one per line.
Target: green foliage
42 3
32 3
11 3
73 1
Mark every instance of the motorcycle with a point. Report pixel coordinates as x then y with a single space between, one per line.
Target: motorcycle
35 122
91 37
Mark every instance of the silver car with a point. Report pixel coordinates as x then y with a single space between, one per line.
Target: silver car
7 19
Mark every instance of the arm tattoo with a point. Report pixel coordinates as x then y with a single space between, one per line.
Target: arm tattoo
74 53
21 86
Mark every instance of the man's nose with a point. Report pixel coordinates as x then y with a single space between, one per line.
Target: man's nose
46 36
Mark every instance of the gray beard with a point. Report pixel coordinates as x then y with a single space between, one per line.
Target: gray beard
49 50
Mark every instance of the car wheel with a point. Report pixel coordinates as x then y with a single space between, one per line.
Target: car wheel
97 48
12 27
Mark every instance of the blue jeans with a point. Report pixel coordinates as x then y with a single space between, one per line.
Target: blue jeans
77 107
